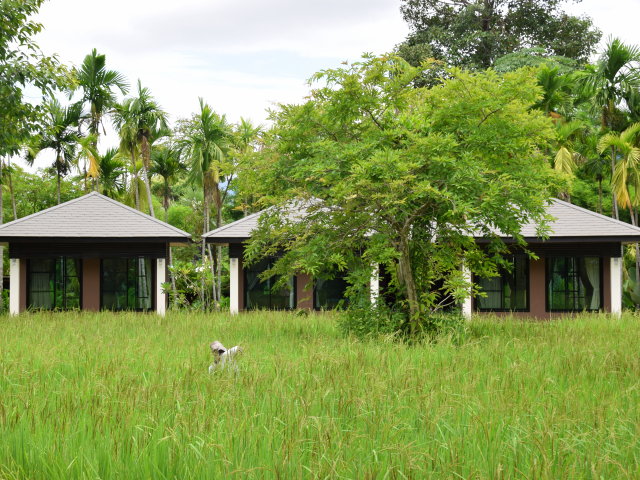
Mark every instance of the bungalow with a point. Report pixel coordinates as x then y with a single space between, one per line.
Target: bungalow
91 253
579 268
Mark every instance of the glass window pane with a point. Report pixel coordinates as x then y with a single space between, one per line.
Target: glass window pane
509 290
329 293
574 283
260 294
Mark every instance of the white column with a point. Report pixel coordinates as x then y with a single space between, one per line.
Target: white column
14 286
234 285
374 284
616 285
161 277
466 303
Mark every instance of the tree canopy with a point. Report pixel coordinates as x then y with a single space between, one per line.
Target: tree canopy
400 176
474 33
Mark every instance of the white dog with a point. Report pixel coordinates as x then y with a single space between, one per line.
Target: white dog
222 357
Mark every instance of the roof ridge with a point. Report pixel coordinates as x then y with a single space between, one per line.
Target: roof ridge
235 222
41 212
597 215
101 197
148 217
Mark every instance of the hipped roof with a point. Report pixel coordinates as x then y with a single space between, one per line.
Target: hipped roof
92 216
571 223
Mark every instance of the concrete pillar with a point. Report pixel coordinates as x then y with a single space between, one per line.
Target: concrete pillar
161 277
374 284
14 286
616 286
467 303
234 285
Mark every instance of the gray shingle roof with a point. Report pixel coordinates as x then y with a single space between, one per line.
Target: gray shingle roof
91 216
571 222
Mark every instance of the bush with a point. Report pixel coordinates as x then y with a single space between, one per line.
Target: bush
366 320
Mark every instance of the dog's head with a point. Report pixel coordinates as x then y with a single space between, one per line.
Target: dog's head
217 349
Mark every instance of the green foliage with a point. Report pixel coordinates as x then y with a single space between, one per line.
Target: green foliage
383 168
367 321
473 34
22 65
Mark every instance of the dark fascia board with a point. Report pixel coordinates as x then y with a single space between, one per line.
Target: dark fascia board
86 240
538 241
226 240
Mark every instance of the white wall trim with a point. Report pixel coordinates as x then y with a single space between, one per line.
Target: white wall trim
161 277
374 284
234 286
467 310
14 286
616 286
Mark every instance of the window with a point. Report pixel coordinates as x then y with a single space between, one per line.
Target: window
127 284
508 292
54 283
329 293
574 284
261 295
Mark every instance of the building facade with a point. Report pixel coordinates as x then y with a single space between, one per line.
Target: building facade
577 268
91 253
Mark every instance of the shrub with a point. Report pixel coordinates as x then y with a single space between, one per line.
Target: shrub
365 320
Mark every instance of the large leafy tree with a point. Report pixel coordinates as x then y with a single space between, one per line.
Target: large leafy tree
400 176
474 33
141 120
60 134
22 65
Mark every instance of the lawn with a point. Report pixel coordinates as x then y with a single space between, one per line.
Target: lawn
129 396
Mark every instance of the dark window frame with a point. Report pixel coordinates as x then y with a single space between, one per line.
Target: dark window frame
547 278
245 279
63 269
152 280
527 276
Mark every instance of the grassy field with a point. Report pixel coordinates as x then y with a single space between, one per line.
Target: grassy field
129 396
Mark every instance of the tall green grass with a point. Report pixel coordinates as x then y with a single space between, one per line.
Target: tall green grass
128 396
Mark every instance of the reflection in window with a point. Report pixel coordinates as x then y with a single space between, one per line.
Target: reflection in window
126 284
574 283
54 283
507 292
261 294
329 293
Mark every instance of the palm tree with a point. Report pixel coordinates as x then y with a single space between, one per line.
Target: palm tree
596 165
112 170
141 118
626 173
205 142
98 87
557 89
627 169
165 162
609 82
60 135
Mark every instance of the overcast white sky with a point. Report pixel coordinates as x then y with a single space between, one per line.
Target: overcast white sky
242 56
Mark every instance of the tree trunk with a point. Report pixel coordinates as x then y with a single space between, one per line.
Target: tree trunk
174 290
205 229
613 193
146 156
136 192
58 185
166 200
13 197
407 282
600 195
219 251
